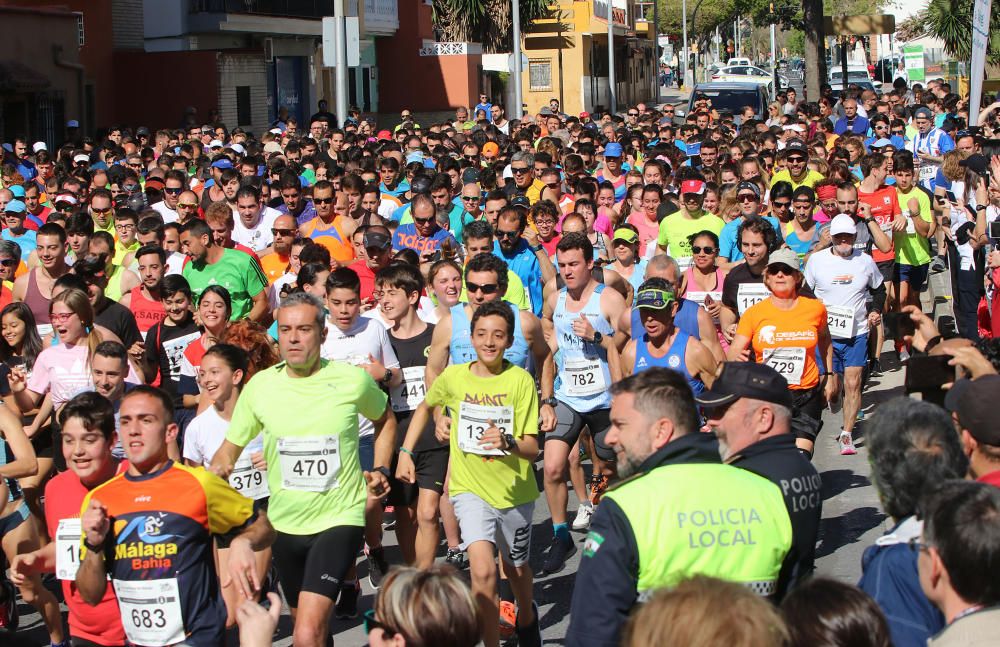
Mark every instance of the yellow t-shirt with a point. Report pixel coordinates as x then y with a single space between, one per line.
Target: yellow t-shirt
810 180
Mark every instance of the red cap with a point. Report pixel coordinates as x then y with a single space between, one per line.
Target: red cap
692 186
584 115
384 135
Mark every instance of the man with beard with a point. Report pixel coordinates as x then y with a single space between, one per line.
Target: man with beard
653 530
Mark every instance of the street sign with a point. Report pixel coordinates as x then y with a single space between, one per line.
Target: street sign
868 25
980 41
353 40
913 58
511 59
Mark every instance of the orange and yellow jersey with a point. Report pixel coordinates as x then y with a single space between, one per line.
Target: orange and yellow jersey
159 550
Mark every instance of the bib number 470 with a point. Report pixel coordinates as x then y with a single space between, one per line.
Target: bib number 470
310 467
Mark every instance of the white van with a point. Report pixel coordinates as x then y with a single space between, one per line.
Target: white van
739 61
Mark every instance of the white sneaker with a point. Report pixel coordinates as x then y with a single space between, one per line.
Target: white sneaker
846 443
583 515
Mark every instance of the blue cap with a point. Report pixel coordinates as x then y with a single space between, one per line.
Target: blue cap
7 147
923 112
882 143
17 190
223 163
72 123
15 206
415 156
614 149
428 162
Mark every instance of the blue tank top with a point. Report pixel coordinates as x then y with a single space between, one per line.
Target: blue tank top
582 373
462 351
7 456
686 320
674 359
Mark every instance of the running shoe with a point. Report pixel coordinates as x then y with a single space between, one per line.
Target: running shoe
598 484
389 518
530 636
846 443
9 618
457 558
378 567
583 515
508 619
904 355
938 264
347 602
559 551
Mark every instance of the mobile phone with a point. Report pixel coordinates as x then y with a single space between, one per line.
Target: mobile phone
994 230
928 373
899 324
694 149
951 195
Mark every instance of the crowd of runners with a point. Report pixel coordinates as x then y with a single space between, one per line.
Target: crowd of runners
232 362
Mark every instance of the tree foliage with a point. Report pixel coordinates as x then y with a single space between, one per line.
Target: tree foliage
951 22
484 21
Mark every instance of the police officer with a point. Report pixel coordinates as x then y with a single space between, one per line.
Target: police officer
749 408
678 512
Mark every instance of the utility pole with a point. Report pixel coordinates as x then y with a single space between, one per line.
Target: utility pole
656 50
612 107
340 14
774 61
516 17
684 54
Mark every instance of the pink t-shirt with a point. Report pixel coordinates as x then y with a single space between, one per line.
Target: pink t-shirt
648 231
63 372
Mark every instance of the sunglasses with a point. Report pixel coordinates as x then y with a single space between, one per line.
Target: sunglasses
282 232
553 185
703 250
172 191
7 262
422 221
507 234
898 132
796 160
519 169
101 211
485 288
782 269
471 198
322 200
747 197
186 205
371 623
633 114
471 158
781 205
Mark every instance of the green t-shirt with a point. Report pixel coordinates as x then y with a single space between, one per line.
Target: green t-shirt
503 481
810 180
675 229
310 430
235 271
912 248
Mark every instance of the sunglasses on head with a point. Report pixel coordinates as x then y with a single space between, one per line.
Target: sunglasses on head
485 288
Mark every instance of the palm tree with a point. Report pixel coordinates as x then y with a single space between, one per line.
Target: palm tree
484 21
951 22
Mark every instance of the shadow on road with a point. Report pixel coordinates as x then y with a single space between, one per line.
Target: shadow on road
848 528
836 482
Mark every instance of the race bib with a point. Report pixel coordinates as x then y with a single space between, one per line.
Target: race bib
699 297
410 392
151 611
750 294
928 171
584 376
910 227
248 480
684 262
840 320
790 362
68 548
474 420
44 329
309 464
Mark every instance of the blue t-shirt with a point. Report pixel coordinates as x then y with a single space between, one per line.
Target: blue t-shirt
406 237
25 241
727 238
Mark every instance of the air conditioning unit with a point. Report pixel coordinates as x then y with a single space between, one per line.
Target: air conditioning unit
268 50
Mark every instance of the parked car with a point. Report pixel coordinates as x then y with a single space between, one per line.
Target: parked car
752 73
739 61
856 75
729 97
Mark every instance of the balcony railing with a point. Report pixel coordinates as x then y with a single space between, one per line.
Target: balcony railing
287 8
381 17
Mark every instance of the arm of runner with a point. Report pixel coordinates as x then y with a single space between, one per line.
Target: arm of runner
704 363
623 328
92 576
882 242
36 562
739 349
825 343
242 563
921 226
605 591
545 364
224 459
627 358
437 356
41 421
708 334
385 438
25 398
25 462
259 310
405 470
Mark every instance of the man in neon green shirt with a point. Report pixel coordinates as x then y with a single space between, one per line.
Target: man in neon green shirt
317 487
796 171
691 219
912 245
493 444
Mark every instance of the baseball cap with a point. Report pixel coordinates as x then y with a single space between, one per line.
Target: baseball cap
784 256
81 157
692 186
69 198
415 156
215 143
272 147
239 149
17 190
746 380
584 115
377 239
470 175
796 145
141 130
627 235
520 201
276 131
976 162
223 163
748 186
794 127
384 135
613 149
974 402
420 184
654 299
15 206
881 143
843 224
39 146
72 123
155 183
923 112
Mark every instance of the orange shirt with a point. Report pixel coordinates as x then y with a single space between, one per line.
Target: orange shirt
786 339
274 265
330 236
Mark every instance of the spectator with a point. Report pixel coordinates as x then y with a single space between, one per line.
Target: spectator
826 613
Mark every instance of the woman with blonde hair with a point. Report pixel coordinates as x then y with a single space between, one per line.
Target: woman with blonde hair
706 612
773 114
423 608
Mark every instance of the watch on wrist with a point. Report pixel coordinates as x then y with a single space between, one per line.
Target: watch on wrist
535 248
386 378
508 441
869 220
552 402
598 337
384 471
99 548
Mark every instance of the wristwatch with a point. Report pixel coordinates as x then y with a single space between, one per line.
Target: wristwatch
508 441
384 471
552 402
598 337
868 220
535 248
386 378
92 548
